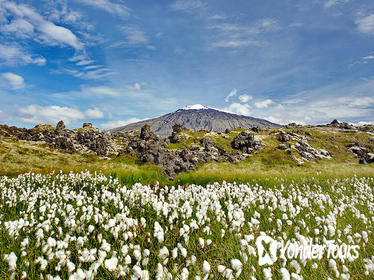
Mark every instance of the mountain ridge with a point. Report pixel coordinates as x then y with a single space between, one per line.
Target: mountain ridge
197 117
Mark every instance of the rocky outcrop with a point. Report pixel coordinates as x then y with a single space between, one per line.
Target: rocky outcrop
283 137
177 135
150 148
301 147
343 125
363 152
246 143
309 153
85 140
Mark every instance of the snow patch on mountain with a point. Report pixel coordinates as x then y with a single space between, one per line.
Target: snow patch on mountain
196 107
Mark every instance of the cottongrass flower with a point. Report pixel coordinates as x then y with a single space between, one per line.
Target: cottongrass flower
11 259
111 264
73 223
164 255
284 273
237 266
206 267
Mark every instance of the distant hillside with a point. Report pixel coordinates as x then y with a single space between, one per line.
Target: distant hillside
195 118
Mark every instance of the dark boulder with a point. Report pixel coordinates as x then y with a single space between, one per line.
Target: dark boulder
177 128
363 152
87 125
60 125
283 136
335 123
146 132
245 142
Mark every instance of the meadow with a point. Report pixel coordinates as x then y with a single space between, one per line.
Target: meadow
91 226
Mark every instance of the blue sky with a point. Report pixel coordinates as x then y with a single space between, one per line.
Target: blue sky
113 62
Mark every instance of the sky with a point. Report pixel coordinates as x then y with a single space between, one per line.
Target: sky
113 62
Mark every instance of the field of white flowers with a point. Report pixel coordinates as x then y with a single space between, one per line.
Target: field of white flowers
85 226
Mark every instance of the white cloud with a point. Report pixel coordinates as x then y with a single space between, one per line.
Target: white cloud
95 73
26 20
35 114
366 24
90 67
187 5
230 35
20 27
235 43
109 6
134 35
136 86
217 17
237 108
331 3
231 94
101 91
60 12
342 101
94 113
87 71
369 57
264 103
84 62
14 54
55 35
179 50
244 98
114 124
366 123
14 80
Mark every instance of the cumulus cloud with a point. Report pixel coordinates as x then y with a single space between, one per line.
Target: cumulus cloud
14 80
264 103
108 6
35 114
114 124
94 113
187 5
244 98
237 108
26 20
14 54
366 24
231 94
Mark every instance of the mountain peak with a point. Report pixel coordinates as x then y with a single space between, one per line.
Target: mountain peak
195 107
197 117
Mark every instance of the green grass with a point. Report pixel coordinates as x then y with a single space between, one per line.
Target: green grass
222 249
18 157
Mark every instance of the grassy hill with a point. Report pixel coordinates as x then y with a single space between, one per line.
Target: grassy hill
18 157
